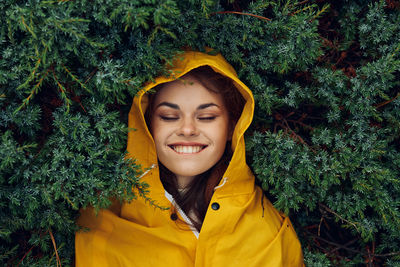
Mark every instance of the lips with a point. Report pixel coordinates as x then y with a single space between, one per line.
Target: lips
187 148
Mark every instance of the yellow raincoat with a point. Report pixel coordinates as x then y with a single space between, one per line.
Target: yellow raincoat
241 227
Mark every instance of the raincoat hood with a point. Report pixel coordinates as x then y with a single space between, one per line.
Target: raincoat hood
241 227
141 145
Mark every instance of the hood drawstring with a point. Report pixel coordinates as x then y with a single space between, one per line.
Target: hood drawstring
225 179
147 171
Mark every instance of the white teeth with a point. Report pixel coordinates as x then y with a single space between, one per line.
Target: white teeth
187 149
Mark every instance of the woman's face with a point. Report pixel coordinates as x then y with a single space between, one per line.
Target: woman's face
190 128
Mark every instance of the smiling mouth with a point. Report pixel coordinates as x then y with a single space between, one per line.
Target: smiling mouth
180 149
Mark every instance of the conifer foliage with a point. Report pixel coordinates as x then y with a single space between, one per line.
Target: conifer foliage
324 144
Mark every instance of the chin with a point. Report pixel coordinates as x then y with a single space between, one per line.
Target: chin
184 167
188 170
189 174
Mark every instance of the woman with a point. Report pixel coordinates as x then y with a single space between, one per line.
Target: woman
190 137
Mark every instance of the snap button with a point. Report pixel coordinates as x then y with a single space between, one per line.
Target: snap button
174 217
215 206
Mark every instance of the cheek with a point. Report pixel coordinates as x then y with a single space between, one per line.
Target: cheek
156 132
221 134
161 132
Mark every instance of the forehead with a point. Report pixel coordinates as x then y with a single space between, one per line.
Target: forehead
187 91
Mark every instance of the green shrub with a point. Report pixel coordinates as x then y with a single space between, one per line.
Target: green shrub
324 144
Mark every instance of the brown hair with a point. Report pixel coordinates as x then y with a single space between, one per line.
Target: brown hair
199 192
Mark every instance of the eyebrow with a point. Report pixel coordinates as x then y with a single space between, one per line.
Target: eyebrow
168 104
175 106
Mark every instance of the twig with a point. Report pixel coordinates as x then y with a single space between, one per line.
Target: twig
34 91
300 10
370 257
302 124
62 91
26 254
347 244
28 28
90 75
32 75
302 2
240 13
337 215
319 225
324 8
74 77
55 247
387 102
339 246
396 50
295 136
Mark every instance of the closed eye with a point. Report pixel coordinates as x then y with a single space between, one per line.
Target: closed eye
210 118
167 118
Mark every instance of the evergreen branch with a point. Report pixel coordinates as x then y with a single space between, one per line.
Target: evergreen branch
64 95
240 13
32 75
77 35
153 34
70 202
72 20
141 189
75 78
340 246
289 131
55 247
62 91
8 253
33 92
26 254
286 6
127 18
300 10
171 34
337 215
128 81
10 33
168 62
345 245
323 10
27 27
395 51
204 6
301 3
90 76
302 124
54 2
77 99
387 101
143 194
21 148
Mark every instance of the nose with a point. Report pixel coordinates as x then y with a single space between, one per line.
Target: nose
188 127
